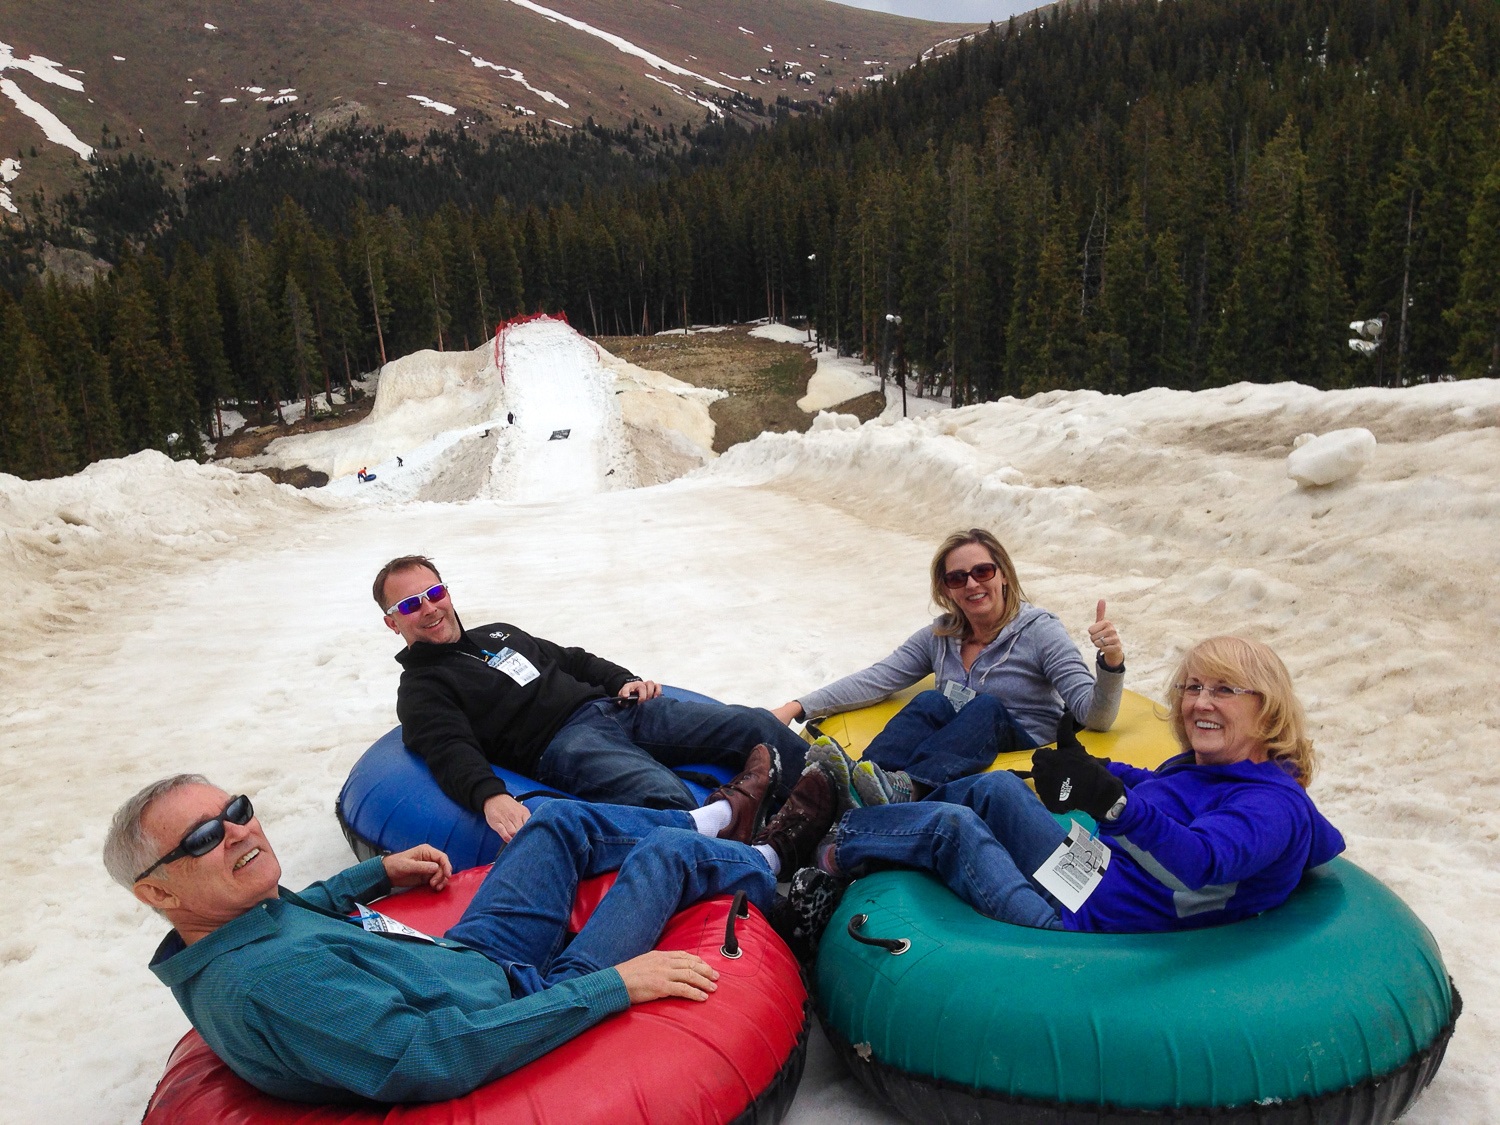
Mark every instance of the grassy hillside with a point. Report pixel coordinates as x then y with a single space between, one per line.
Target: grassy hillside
186 82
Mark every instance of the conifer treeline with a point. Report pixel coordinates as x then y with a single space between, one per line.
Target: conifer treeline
1182 194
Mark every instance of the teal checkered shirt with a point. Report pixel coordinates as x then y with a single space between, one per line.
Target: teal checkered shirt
312 1008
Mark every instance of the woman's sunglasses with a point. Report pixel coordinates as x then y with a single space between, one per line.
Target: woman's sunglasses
958 579
408 606
207 836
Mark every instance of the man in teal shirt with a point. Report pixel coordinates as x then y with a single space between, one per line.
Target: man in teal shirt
307 1003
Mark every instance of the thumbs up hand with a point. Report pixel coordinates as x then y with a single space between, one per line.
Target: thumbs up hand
1106 640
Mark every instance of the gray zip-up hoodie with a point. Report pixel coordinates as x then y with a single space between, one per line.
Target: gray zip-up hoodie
1032 667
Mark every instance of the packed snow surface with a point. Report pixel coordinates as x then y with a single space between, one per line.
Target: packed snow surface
445 415
169 616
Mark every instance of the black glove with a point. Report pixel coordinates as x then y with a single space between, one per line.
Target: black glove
1069 778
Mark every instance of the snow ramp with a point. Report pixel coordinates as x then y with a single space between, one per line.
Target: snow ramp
584 422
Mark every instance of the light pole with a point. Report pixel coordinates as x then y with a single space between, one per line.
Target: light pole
817 303
1371 336
893 321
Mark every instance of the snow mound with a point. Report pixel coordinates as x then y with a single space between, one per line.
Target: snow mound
585 421
828 420
1190 488
64 540
1333 457
837 379
781 333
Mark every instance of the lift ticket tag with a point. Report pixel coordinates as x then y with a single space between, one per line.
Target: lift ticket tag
514 665
1077 866
378 923
957 694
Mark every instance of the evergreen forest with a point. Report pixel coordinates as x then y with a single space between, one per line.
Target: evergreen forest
1117 195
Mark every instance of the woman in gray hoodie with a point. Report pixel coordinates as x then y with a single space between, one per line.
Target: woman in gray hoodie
1005 671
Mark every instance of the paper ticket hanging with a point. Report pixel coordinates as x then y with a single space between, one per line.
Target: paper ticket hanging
958 695
514 665
1075 868
378 923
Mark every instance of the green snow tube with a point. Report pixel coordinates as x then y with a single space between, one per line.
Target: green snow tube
1334 1007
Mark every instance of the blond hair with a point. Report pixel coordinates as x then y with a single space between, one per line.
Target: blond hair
953 623
1280 726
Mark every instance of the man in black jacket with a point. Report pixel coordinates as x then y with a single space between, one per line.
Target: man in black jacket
572 720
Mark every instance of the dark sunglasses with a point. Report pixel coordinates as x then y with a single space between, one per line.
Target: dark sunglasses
206 836
408 606
958 579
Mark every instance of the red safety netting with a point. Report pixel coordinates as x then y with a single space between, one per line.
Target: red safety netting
501 328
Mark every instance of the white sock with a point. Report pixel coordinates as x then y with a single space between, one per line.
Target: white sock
712 819
773 861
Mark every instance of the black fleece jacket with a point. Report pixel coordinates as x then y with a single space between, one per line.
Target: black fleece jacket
461 714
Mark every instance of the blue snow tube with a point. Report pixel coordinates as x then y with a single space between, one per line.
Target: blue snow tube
392 802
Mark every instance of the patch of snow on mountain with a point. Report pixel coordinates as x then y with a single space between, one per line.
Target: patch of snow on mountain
619 43
516 76
441 107
52 126
10 168
705 103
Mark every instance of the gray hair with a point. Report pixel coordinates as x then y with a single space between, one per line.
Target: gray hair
127 848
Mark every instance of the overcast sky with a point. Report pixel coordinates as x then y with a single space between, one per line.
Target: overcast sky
949 11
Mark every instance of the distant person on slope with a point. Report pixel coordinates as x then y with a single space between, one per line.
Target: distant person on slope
305 1002
571 719
1005 672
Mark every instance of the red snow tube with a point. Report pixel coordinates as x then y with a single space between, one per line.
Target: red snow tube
735 1058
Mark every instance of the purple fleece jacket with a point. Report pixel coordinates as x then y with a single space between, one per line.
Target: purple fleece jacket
1204 845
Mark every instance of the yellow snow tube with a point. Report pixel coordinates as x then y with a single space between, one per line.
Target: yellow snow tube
1140 735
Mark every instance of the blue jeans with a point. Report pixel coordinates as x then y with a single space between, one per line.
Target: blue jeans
982 836
935 743
519 916
624 754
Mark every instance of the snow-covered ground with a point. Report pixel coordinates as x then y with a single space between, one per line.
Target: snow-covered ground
171 616
841 378
440 426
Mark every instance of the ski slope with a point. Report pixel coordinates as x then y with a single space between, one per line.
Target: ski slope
558 388
167 616
440 426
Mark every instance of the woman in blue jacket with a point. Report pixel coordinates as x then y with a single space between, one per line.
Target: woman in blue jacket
1006 671
1220 832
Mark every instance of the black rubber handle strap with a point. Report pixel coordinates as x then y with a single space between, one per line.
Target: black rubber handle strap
739 909
542 793
894 946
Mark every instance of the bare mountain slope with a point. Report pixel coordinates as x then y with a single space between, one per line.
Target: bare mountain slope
186 81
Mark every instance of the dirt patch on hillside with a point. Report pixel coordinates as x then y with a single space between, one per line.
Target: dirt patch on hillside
252 440
764 379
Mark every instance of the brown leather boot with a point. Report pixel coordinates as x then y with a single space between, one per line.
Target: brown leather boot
808 814
746 794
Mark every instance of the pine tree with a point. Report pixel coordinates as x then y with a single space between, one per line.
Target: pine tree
77 370
1454 130
1476 317
1287 308
199 330
35 434
138 363
303 355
